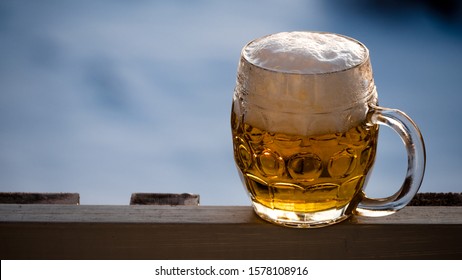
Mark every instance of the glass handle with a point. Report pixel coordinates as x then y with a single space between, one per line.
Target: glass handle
413 141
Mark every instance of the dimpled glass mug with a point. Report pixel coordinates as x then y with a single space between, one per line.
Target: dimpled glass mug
305 127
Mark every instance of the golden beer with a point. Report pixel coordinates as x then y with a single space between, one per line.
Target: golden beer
303 173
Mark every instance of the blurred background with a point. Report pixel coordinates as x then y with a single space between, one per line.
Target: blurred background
108 98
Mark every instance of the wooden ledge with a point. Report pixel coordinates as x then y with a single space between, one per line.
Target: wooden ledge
219 232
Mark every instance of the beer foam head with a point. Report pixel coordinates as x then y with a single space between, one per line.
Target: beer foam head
305 52
305 82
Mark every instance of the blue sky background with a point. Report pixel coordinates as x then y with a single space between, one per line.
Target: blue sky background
107 98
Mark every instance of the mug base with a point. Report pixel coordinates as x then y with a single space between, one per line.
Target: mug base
301 219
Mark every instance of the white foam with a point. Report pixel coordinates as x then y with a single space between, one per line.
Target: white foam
305 83
305 52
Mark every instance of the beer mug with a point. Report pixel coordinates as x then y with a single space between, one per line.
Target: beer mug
305 121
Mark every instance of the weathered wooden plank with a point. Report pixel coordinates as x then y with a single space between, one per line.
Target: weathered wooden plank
198 214
39 198
164 199
215 232
436 199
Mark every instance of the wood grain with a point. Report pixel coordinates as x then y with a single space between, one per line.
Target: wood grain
219 232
